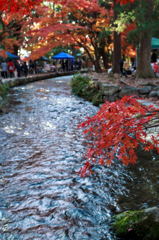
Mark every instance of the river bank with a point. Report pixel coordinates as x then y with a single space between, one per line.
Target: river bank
12 82
130 225
148 89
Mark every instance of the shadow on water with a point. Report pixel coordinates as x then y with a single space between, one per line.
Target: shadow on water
42 195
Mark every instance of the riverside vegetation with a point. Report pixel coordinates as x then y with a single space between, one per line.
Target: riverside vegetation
3 91
137 225
84 87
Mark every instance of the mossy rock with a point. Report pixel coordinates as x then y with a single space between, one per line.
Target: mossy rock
143 224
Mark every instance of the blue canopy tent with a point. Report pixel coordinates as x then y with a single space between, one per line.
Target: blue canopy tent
11 55
63 55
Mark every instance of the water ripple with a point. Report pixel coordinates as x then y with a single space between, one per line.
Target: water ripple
42 195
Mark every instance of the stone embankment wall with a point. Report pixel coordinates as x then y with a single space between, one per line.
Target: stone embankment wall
23 80
113 93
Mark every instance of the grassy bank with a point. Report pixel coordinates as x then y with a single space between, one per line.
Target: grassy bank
3 91
84 87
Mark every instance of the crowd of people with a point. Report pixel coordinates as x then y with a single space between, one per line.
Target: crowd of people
127 69
15 69
68 65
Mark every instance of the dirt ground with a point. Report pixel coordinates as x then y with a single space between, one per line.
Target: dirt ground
130 81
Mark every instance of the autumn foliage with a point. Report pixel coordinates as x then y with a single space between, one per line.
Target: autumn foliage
14 6
125 1
117 130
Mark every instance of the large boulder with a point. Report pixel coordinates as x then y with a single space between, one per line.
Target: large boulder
152 94
155 89
157 94
108 89
128 91
111 98
145 90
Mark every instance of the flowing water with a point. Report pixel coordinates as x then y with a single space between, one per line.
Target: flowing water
41 151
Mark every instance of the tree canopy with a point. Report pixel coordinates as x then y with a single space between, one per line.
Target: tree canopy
88 24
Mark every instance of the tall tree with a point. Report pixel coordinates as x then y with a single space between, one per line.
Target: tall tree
117 43
145 14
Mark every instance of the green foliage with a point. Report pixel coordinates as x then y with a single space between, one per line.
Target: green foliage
82 86
97 98
4 89
136 224
140 14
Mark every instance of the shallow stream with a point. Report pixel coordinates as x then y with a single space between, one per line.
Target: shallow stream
41 151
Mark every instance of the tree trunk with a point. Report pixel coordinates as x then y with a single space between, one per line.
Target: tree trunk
144 69
117 46
97 64
105 59
96 61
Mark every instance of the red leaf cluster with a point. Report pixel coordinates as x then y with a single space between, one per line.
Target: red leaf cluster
22 6
117 129
125 1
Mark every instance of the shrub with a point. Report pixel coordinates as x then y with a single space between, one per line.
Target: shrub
4 89
82 86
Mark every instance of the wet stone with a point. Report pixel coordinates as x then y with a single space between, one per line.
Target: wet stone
152 94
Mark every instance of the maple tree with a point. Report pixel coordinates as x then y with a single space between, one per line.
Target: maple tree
9 23
77 23
18 6
117 130
128 44
13 13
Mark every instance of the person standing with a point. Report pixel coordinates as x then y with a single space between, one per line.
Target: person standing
4 69
31 67
122 70
80 64
18 67
154 56
25 69
63 66
11 68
